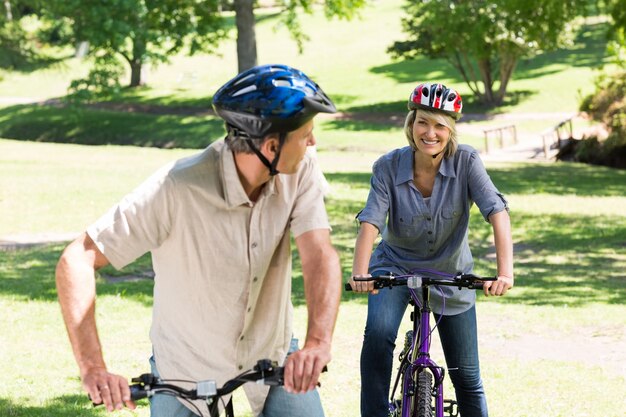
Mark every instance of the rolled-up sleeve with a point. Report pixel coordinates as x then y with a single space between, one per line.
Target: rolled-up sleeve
138 224
377 206
482 190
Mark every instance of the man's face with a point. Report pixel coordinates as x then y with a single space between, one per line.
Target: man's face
295 147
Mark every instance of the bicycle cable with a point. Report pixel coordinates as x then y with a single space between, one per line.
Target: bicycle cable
175 394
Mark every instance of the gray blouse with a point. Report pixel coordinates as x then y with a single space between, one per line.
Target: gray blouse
434 236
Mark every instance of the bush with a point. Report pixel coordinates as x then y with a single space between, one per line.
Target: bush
608 106
16 50
102 81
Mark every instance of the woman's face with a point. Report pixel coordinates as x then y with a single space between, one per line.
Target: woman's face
430 136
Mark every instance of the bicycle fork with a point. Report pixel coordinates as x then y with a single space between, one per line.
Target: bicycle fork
419 352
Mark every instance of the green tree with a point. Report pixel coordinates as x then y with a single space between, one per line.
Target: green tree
484 40
290 10
142 31
17 49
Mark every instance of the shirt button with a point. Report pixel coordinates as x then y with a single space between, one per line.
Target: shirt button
240 367
431 250
241 338
253 245
430 232
255 279
430 241
428 218
249 309
455 213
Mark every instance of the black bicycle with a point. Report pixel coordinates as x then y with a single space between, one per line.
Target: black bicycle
147 385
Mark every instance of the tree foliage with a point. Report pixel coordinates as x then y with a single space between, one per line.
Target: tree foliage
484 40
17 49
289 16
141 31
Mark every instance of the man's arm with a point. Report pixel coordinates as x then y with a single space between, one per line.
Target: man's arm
76 287
322 288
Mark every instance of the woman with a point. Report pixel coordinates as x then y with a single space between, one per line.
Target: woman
420 201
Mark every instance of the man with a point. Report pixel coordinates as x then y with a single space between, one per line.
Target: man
217 225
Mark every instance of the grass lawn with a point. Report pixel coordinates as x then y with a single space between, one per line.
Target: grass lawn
568 301
552 347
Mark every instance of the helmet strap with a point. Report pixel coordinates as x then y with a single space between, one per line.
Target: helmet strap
270 165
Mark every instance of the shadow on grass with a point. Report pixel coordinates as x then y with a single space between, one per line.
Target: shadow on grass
101 127
28 274
64 406
588 50
560 260
560 179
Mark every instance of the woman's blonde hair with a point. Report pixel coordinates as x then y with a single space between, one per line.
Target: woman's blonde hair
435 117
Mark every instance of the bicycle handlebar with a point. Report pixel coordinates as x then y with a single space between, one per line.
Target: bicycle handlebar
413 281
265 370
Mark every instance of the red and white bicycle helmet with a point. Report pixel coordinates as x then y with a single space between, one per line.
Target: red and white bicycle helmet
436 97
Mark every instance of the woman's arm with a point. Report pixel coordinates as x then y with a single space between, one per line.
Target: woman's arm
501 224
362 254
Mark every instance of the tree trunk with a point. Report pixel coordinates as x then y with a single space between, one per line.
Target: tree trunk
136 62
135 73
507 66
484 66
7 8
246 37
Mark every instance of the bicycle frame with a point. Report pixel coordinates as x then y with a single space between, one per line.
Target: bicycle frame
421 359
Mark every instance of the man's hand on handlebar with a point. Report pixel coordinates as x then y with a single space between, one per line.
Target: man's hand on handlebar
303 368
108 389
363 286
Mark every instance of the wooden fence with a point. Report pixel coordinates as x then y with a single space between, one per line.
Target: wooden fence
501 134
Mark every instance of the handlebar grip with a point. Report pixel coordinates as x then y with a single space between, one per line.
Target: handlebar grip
137 392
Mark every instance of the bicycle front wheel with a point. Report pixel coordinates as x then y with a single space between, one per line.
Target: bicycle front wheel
422 402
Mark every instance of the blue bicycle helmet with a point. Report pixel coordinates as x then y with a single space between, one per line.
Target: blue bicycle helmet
270 99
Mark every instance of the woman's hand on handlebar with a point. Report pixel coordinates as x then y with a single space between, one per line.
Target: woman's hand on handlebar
106 388
498 287
362 286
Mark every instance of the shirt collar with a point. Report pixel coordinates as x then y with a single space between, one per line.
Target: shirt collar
447 167
405 166
234 194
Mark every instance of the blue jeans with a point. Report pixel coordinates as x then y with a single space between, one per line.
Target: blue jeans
279 403
458 336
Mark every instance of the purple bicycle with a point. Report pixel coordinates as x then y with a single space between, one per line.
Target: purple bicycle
421 378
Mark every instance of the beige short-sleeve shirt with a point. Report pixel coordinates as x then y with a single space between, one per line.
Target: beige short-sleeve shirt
222 292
